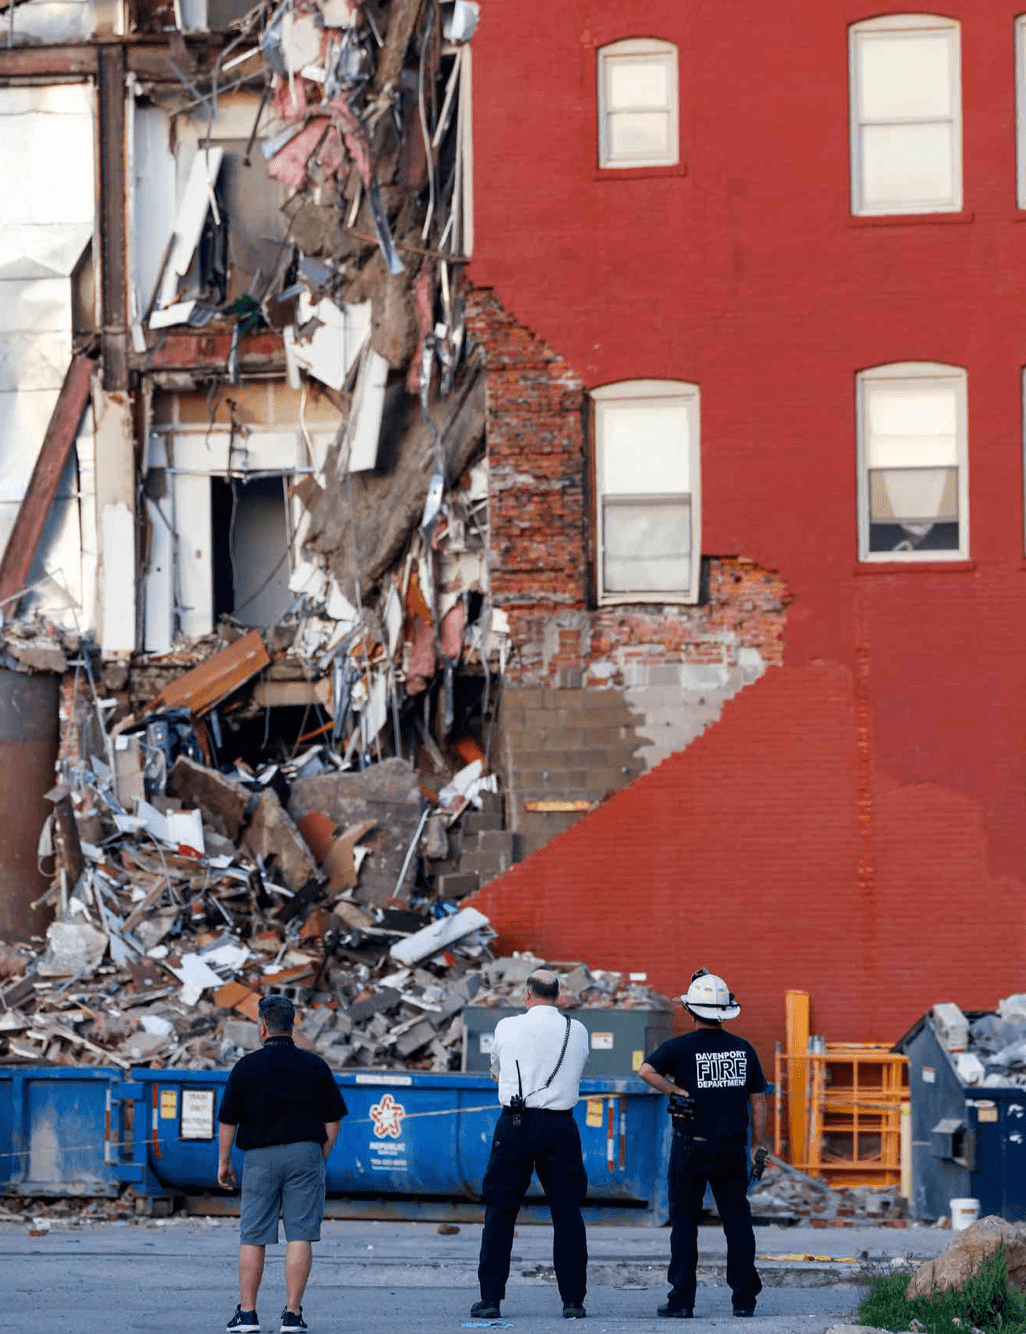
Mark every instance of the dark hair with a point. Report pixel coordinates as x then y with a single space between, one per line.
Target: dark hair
543 987
278 1013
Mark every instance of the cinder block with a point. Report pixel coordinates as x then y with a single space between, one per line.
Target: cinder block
475 822
494 841
458 885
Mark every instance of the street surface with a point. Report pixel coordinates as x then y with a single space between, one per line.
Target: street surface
381 1277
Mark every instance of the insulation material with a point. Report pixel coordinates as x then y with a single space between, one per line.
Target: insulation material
190 216
335 340
368 407
46 144
48 21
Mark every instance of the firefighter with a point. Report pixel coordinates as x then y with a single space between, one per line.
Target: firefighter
717 1093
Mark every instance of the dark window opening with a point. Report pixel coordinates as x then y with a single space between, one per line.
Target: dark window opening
251 550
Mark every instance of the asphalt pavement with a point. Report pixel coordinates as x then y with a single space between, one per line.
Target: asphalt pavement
379 1278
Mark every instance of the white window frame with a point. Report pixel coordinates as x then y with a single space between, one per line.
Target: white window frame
1020 110
634 47
899 24
913 373
688 395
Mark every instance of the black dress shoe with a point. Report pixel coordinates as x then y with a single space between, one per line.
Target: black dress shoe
573 1311
484 1311
672 1312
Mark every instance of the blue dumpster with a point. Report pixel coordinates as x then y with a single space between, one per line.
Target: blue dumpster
412 1146
967 1141
69 1131
416 1145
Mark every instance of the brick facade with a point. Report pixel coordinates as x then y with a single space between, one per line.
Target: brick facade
852 821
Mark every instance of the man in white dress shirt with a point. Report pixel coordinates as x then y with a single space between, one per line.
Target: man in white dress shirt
537 1057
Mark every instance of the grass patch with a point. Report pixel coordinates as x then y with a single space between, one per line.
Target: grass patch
986 1302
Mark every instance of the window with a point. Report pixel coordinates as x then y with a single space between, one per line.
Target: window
637 104
906 115
647 485
913 463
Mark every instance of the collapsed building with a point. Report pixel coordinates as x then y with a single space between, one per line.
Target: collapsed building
270 459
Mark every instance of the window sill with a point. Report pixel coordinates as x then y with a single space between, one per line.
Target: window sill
679 169
918 567
911 219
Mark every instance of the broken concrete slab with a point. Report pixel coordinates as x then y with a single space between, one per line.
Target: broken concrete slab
387 793
445 931
273 836
223 801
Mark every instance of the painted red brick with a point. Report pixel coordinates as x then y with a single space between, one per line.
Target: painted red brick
855 822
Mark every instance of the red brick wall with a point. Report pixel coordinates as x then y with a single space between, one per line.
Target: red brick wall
742 854
854 823
537 459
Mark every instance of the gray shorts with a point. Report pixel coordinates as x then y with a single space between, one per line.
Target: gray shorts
289 1177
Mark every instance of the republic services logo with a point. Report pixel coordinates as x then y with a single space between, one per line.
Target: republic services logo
387 1116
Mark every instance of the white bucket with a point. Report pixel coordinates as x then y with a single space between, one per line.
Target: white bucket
963 1212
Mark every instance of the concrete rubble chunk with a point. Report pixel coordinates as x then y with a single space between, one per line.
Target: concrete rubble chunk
951 1025
967 1251
273 834
222 800
387 794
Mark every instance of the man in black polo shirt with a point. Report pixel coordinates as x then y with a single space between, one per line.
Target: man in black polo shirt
717 1089
283 1108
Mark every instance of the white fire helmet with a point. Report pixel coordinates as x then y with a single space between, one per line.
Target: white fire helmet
709 997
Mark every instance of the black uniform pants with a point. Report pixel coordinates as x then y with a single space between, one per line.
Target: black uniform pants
726 1171
547 1143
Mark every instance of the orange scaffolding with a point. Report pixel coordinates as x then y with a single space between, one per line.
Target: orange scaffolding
842 1105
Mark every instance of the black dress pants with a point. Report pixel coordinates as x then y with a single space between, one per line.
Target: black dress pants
726 1171
547 1143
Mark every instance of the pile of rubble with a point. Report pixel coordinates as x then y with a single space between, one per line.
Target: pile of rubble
184 893
789 1196
989 1049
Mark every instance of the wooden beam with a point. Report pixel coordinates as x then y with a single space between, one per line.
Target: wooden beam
46 476
35 62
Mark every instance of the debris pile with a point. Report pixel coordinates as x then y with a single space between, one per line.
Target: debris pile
791 1197
989 1050
183 893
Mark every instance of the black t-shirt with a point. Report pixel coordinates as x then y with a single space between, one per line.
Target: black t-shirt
280 1095
720 1071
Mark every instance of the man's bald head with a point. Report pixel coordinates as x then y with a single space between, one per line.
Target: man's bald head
544 986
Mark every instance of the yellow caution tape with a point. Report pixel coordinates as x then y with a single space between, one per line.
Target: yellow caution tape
815 1259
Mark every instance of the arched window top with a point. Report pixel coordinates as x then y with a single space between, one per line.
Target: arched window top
638 103
643 389
638 46
903 23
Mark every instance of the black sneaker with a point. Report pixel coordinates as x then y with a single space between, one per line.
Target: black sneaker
671 1312
291 1321
573 1311
485 1311
243 1322
743 1312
